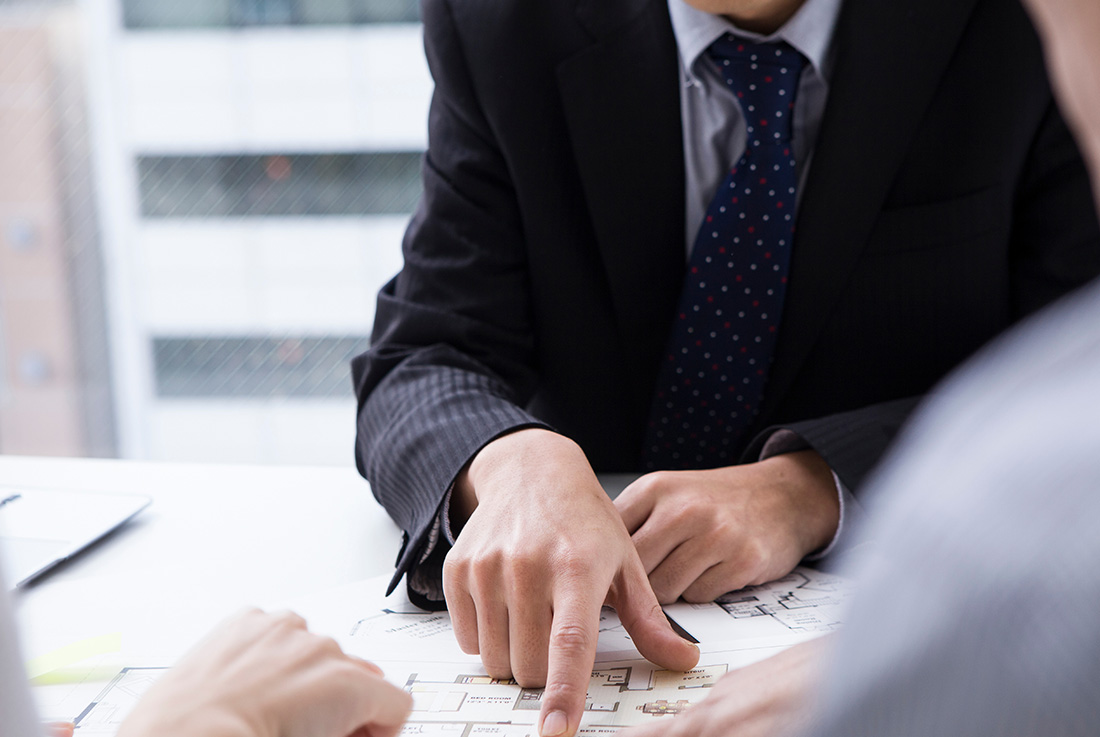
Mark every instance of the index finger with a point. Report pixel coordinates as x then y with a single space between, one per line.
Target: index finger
573 637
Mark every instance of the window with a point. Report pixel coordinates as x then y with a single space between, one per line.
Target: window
151 14
243 186
250 367
174 283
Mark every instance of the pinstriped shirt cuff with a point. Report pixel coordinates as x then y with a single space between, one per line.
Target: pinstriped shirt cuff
426 577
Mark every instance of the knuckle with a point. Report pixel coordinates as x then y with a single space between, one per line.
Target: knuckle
754 558
328 646
570 564
529 676
468 642
665 595
485 571
681 515
654 482
655 612
312 648
573 565
289 619
498 668
724 530
645 487
251 618
455 566
571 639
566 692
527 567
698 594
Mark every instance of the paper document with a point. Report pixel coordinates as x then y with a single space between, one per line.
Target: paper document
453 696
802 605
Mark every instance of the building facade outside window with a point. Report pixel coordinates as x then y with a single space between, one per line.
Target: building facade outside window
198 204
153 14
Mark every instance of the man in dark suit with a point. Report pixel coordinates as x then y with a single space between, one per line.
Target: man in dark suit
572 148
946 635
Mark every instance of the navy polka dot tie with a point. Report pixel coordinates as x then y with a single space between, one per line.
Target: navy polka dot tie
713 377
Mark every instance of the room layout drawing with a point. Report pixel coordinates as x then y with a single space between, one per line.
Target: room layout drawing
449 703
619 695
392 630
803 600
454 697
104 716
806 603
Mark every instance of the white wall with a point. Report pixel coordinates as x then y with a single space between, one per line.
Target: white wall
296 89
285 431
311 276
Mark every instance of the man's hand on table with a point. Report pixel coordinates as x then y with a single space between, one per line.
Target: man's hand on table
264 675
542 550
772 698
702 533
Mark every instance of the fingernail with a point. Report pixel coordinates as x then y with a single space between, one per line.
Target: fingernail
554 724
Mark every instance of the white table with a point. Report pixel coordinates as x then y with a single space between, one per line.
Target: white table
216 538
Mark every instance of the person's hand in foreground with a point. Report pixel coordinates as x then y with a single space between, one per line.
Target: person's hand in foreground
703 533
264 675
541 551
772 698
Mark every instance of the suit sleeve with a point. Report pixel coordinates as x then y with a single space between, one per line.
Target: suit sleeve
450 363
850 442
1054 248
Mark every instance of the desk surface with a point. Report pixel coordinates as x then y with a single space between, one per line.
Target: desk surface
216 538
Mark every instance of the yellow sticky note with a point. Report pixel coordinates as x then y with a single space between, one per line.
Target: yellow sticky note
77 674
71 654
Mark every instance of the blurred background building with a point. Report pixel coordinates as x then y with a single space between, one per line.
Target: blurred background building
198 203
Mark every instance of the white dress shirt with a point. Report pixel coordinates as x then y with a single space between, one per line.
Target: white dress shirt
714 126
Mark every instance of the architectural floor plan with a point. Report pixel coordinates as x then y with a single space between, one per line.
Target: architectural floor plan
460 701
104 715
804 604
619 694
454 697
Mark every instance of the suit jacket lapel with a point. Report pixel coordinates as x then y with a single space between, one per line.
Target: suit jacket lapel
621 100
890 57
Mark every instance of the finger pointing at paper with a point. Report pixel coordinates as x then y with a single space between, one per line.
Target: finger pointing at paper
542 550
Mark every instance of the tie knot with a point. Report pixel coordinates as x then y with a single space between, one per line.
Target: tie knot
764 76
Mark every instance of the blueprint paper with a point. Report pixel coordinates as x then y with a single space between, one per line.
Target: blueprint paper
104 716
458 699
800 606
453 696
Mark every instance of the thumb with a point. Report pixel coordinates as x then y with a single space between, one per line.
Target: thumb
645 621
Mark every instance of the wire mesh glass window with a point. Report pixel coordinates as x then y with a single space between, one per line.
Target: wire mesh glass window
233 186
244 367
220 13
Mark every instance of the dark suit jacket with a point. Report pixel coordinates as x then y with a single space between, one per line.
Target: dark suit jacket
945 199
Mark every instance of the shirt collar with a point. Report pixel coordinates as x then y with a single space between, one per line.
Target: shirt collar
810 31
